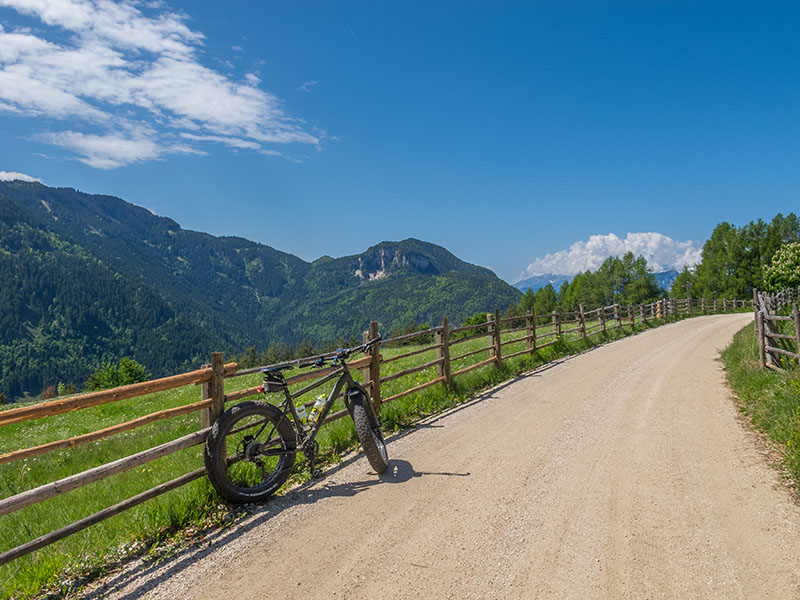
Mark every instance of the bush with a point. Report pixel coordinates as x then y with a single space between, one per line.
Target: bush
49 392
784 271
108 376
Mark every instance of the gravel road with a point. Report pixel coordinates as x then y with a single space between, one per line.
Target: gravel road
620 473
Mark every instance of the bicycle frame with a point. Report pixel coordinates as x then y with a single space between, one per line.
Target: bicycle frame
345 380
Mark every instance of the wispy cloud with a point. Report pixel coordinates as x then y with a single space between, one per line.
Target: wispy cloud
14 176
127 80
307 86
660 251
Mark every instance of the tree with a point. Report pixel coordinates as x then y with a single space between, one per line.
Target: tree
678 289
545 299
527 302
109 376
784 270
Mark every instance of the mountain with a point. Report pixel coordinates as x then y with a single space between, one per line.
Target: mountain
96 278
664 279
539 281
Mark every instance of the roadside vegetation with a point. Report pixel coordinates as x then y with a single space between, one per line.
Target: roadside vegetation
770 399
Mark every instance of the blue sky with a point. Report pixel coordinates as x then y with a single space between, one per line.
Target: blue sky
504 131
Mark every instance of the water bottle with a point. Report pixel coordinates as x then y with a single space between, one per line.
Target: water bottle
312 418
302 413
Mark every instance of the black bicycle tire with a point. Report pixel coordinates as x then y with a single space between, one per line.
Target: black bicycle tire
215 459
369 434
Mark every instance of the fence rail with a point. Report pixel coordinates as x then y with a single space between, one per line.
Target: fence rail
212 401
772 343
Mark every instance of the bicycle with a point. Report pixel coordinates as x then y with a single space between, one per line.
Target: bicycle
260 464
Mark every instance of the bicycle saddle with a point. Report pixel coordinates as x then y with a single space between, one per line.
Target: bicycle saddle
277 368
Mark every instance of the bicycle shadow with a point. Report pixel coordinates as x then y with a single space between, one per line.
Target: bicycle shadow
399 472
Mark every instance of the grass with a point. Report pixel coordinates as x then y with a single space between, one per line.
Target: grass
770 399
142 529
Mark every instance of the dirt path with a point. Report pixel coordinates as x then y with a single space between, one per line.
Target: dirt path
620 473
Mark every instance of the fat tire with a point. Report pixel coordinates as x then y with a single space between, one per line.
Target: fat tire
368 430
216 459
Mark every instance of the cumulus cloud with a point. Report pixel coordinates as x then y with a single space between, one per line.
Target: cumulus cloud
14 176
128 80
661 252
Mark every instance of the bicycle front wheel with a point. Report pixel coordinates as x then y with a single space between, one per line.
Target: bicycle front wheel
250 452
369 433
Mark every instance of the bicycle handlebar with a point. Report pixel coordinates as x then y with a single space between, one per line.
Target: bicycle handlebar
340 354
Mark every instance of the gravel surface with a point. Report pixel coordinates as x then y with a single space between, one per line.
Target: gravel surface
619 473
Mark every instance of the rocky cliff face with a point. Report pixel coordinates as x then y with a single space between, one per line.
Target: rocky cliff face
380 261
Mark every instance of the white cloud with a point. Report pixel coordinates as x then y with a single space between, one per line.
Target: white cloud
661 252
13 176
120 74
111 151
307 86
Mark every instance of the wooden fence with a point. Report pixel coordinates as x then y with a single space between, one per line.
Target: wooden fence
778 335
536 331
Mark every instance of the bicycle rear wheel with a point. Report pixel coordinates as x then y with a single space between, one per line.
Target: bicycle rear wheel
250 452
369 433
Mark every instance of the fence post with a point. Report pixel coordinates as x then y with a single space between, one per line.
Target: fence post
762 351
630 314
616 315
490 326
767 325
583 320
715 305
602 314
530 329
702 305
641 313
443 338
372 372
796 315
755 310
498 355
215 390
205 394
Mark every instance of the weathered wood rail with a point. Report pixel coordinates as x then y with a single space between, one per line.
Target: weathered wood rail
532 331
772 344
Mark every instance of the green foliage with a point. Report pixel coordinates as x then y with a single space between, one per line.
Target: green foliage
625 280
479 318
546 299
784 270
734 258
109 376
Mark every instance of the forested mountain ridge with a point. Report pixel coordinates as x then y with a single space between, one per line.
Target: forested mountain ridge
63 312
219 293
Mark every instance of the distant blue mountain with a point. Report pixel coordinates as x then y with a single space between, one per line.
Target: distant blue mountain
664 279
539 281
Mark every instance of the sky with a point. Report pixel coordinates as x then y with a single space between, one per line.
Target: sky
521 136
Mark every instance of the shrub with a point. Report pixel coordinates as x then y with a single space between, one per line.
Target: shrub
108 376
784 271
